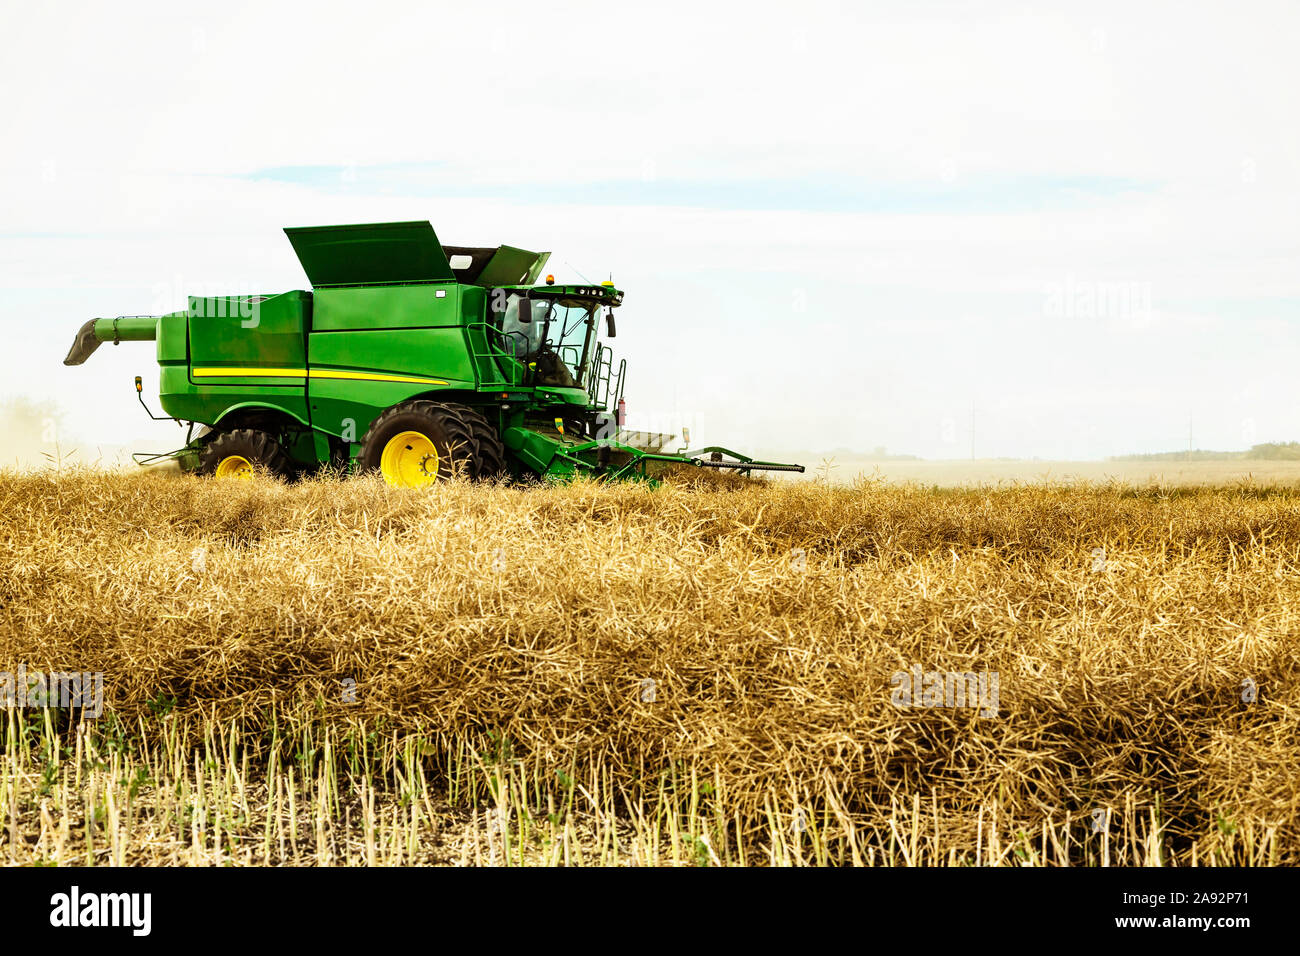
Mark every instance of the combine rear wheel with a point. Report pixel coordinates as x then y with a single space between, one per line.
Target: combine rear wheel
419 442
234 454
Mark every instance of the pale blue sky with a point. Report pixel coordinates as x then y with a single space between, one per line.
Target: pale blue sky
842 193
838 225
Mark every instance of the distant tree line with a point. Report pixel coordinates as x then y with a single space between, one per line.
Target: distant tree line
1267 451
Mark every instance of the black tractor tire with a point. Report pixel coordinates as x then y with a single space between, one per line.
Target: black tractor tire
256 447
489 452
463 441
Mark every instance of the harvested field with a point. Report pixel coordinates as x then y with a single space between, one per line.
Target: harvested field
340 672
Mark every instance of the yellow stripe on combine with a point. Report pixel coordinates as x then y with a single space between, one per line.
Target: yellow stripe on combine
313 373
250 372
372 376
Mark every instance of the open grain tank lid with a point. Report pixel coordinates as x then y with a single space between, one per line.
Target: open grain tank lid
370 253
504 265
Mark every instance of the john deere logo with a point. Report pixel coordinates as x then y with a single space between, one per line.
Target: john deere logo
559 425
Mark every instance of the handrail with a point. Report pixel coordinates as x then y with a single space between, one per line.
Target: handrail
601 369
494 355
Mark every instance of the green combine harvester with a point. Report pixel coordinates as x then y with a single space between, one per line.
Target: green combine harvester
414 358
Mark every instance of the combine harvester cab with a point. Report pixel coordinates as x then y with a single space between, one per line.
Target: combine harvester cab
413 358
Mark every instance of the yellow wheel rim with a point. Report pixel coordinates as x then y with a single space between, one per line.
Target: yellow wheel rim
409 460
235 466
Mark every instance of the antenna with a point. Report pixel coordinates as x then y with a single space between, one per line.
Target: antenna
580 275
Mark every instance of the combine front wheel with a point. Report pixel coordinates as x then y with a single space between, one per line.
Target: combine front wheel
489 452
419 442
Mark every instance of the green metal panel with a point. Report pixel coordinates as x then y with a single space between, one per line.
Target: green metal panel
385 307
511 266
345 409
173 338
568 396
537 451
242 352
472 304
536 268
235 340
321 444
436 357
370 253
208 404
355 375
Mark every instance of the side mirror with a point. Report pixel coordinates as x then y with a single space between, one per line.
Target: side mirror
525 308
610 329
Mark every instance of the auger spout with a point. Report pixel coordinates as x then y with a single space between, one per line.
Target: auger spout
126 328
